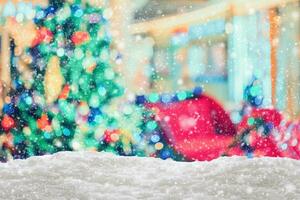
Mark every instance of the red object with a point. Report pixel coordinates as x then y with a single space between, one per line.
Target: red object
43 35
199 128
7 123
268 115
263 145
65 92
43 123
111 136
80 37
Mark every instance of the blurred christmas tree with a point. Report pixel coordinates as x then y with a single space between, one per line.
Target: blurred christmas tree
62 92
71 80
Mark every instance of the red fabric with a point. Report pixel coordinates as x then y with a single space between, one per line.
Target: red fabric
268 115
200 129
284 140
263 145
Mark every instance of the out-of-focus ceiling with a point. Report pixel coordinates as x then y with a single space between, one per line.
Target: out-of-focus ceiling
160 8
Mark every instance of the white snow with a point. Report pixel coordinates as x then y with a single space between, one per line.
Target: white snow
85 175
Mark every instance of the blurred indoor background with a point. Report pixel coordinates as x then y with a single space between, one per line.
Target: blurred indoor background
221 45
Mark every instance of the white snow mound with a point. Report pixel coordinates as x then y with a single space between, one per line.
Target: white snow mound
85 175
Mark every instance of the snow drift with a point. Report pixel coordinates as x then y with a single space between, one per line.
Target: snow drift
85 175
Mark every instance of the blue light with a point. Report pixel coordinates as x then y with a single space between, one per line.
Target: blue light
197 91
141 99
155 138
165 154
166 98
66 132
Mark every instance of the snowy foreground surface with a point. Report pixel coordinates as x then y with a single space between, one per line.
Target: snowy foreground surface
84 175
